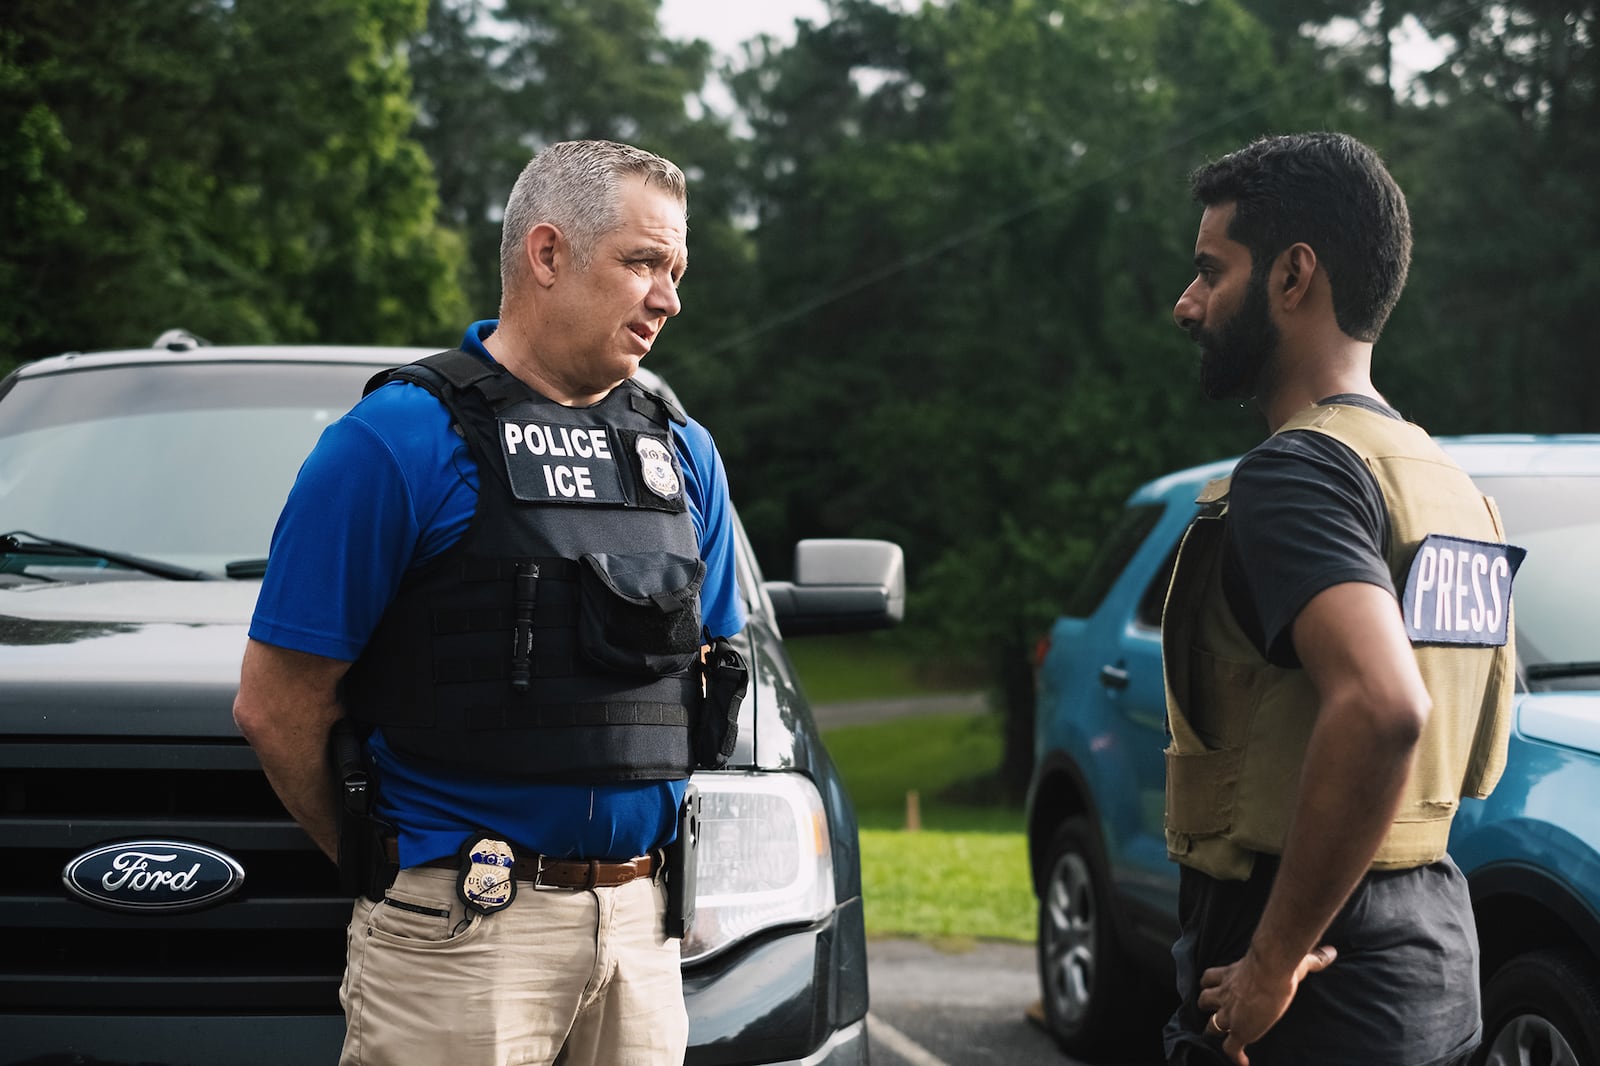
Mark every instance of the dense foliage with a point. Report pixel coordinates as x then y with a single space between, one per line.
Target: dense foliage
245 170
934 252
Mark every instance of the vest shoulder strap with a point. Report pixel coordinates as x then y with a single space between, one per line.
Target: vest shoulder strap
1215 492
654 406
457 371
461 370
1369 434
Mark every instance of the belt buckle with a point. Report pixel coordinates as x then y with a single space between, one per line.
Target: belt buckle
538 876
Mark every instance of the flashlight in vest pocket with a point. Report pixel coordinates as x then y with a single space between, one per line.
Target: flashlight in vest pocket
525 593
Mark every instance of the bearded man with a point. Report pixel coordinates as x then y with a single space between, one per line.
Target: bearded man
1323 730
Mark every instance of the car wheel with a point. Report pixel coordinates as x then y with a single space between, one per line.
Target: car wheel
1542 1009
1092 997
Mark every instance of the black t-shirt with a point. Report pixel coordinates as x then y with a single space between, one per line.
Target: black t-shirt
1304 514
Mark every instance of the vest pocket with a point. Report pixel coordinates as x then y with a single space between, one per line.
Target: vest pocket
640 614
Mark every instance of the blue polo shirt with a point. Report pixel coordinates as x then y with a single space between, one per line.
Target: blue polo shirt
388 487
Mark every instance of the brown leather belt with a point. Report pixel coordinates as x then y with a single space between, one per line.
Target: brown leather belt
544 872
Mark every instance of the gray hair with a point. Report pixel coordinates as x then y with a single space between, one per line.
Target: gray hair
574 186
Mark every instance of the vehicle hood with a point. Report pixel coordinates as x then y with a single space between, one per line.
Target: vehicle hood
120 657
1571 719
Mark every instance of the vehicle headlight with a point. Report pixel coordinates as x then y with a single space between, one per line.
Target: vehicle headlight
764 858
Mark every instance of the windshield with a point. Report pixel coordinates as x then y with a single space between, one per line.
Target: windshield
1557 612
185 464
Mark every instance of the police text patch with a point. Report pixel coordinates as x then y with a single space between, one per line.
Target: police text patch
565 464
1459 591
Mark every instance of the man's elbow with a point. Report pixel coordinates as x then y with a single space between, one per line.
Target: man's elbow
1396 721
247 718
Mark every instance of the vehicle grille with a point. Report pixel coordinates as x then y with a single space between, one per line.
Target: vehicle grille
276 945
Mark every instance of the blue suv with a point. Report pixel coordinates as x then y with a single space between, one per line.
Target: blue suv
1531 852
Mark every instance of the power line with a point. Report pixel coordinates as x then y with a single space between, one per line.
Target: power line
999 220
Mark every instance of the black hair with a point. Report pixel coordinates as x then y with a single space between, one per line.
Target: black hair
1331 192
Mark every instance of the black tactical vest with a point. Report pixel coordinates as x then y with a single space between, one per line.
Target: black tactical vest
559 639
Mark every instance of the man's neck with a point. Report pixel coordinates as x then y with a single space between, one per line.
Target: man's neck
513 349
1300 381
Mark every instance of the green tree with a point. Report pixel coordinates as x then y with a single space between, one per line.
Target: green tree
1496 147
972 226
497 82
1498 158
37 211
242 169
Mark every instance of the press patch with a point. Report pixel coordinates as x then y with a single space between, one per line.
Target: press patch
485 883
655 466
1459 591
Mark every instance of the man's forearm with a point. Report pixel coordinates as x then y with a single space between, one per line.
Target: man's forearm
287 704
305 785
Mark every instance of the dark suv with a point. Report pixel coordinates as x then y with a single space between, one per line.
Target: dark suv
158 905
1531 852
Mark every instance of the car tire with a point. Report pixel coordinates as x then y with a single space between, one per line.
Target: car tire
1093 996
1541 1009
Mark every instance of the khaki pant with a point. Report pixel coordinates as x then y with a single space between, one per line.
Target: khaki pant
586 975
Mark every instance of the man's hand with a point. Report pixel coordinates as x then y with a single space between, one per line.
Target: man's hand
1246 999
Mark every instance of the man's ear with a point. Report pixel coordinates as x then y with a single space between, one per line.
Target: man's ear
1296 268
542 253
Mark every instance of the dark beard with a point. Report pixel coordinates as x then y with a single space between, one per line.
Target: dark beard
1233 357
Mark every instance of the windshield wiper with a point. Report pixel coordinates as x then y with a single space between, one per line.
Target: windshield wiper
247 568
13 544
1547 671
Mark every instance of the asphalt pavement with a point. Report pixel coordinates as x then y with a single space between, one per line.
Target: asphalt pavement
960 1004
965 1003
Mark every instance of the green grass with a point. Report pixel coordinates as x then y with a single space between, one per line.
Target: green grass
965 872
931 754
946 885
858 668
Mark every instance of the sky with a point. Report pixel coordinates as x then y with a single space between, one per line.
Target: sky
728 23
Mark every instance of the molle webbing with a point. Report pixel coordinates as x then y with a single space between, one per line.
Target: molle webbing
576 715
552 615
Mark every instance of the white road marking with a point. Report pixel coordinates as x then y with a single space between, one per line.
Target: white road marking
900 1043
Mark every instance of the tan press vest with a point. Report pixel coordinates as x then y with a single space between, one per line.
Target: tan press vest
1240 725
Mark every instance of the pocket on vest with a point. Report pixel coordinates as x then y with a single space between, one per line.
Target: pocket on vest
640 613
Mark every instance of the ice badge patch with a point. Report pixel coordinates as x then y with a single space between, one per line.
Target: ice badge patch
485 883
655 462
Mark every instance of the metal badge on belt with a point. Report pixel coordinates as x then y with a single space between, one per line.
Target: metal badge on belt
485 883
1459 591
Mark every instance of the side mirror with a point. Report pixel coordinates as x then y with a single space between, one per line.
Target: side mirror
841 586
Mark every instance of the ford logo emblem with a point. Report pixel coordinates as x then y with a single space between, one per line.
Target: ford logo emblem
153 876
